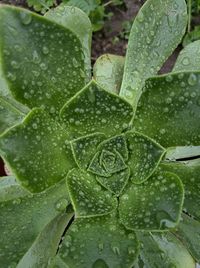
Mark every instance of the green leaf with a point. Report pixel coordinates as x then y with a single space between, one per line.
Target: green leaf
162 250
88 198
154 205
188 172
106 163
99 242
188 232
9 115
37 71
182 152
78 22
116 182
10 189
156 32
84 148
144 156
45 246
94 109
35 151
108 71
169 110
189 58
117 143
23 219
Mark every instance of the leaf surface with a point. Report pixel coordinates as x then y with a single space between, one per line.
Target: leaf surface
22 219
88 198
108 72
156 32
46 71
94 109
189 58
9 115
188 232
169 110
162 250
78 22
144 156
84 148
36 152
99 242
154 205
188 172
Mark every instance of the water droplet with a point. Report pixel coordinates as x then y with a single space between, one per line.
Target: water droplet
100 264
186 61
61 204
192 80
25 17
45 50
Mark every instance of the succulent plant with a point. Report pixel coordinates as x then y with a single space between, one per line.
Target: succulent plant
105 170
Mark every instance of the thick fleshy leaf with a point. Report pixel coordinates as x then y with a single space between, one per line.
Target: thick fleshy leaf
116 182
188 172
144 156
105 163
162 250
108 71
84 148
23 219
99 242
9 115
88 198
182 152
78 22
10 189
36 152
94 109
117 143
156 32
154 205
45 246
169 110
46 71
189 58
188 232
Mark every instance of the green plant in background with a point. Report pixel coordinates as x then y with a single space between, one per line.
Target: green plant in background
95 9
193 11
105 170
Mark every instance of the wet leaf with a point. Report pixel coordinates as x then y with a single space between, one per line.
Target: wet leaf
116 143
11 189
94 109
169 110
88 198
154 205
116 182
188 172
45 246
156 32
98 242
78 22
162 250
22 220
189 58
9 115
36 152
108 71
144 156
84 148
182 152
105 163
188 232
42 72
